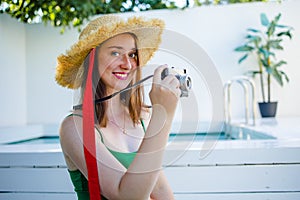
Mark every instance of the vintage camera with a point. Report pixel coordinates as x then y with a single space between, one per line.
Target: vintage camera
184 79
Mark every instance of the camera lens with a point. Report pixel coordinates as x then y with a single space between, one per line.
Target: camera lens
189 83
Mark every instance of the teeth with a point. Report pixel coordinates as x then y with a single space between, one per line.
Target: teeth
121 75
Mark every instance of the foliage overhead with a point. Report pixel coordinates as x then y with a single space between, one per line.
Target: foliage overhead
264 44
66 13
73 13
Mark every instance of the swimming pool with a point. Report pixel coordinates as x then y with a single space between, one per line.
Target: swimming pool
251 163
245 135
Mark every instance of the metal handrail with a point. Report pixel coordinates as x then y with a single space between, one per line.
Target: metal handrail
245 82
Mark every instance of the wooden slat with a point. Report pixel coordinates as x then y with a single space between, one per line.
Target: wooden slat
255 178
30 159
204 179
38 196
35 180
239 196
232 156
213 196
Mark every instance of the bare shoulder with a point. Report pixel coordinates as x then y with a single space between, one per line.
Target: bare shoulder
70 131
69 125
71 141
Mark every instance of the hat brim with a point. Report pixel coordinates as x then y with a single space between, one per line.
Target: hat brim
148 32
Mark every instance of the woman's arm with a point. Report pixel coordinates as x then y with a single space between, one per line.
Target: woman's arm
162 189
144 171
140 179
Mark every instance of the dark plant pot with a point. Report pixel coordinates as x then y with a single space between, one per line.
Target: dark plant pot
267 109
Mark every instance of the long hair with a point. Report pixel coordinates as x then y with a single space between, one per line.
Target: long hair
133 98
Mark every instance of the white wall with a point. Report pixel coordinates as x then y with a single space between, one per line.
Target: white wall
217 30
13 72
46 101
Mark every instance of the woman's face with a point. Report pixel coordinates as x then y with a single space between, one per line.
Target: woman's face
117 62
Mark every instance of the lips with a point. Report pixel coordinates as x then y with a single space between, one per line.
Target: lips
120 75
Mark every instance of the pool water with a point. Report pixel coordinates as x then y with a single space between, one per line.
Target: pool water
172 137
39 140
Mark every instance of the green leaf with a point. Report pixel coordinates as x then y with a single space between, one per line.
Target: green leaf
265 52
282 62
285 76
286 33
244 48
277 18
253 38
289 34
253 30
277 76
281 34
275 44
253 73
52 16
271 29
282 26
264 19
243 58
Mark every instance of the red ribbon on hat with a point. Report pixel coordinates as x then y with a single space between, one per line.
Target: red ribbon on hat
89 143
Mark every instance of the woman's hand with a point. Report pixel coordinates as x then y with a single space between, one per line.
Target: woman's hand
165 93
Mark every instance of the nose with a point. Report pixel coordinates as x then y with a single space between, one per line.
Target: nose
126 64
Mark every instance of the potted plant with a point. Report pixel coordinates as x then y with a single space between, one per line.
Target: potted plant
263 46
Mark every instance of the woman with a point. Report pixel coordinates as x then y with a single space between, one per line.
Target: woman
129 138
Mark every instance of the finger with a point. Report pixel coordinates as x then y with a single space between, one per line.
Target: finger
172 87
175 91
178 93
157 73
171 79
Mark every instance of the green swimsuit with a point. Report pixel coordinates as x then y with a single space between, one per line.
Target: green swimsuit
80 182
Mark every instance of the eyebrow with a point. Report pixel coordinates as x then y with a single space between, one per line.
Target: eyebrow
119 47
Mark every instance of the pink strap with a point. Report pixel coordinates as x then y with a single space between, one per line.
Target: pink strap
89 143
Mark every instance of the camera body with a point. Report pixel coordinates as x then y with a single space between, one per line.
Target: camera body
184 80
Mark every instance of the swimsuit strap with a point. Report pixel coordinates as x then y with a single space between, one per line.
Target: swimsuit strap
78 115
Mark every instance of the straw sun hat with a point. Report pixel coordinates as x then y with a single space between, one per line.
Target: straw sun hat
70 69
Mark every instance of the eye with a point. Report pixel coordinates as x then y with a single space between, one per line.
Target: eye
132 55
115 53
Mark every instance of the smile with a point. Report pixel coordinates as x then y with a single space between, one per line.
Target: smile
120 75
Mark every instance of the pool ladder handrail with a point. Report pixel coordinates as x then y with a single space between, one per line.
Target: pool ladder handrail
245 82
